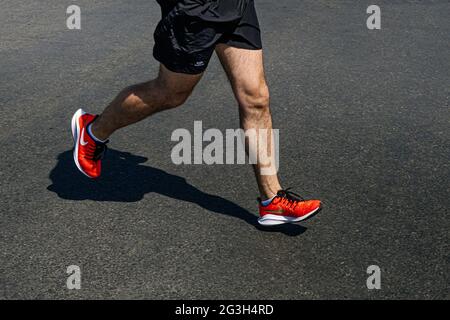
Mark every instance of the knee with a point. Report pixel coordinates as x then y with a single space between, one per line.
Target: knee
255 99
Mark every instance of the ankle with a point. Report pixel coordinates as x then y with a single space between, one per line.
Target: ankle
267 195
97 131
269 190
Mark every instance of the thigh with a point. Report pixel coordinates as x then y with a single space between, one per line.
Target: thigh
244 68
174 83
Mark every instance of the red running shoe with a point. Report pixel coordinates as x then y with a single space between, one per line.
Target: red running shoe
87 153
287 207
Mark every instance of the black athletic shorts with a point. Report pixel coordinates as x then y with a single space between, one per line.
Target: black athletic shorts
189 30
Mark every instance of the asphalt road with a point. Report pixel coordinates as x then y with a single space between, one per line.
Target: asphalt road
364 119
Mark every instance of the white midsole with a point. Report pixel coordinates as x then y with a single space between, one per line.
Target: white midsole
273 219
76 134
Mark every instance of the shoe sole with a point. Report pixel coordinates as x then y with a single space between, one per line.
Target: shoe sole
275 220
75 135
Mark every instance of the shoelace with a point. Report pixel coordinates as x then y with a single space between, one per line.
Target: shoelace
96 152
291 199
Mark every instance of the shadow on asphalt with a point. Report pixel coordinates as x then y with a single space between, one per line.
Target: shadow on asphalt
126 180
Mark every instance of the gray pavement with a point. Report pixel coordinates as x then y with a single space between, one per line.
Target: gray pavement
364 118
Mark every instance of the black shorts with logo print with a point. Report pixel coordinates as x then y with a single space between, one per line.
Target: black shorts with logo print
189 30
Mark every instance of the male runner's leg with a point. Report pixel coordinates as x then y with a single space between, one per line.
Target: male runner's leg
135 103
246 74
245 71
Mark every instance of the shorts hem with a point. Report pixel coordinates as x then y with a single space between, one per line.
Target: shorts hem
178 68
241 45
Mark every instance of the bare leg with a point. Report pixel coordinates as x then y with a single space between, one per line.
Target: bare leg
245 71
135 103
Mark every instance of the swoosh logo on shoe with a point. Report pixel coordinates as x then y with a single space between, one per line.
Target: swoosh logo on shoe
82 141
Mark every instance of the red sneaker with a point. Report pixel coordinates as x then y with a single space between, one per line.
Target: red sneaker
87 152
287 207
